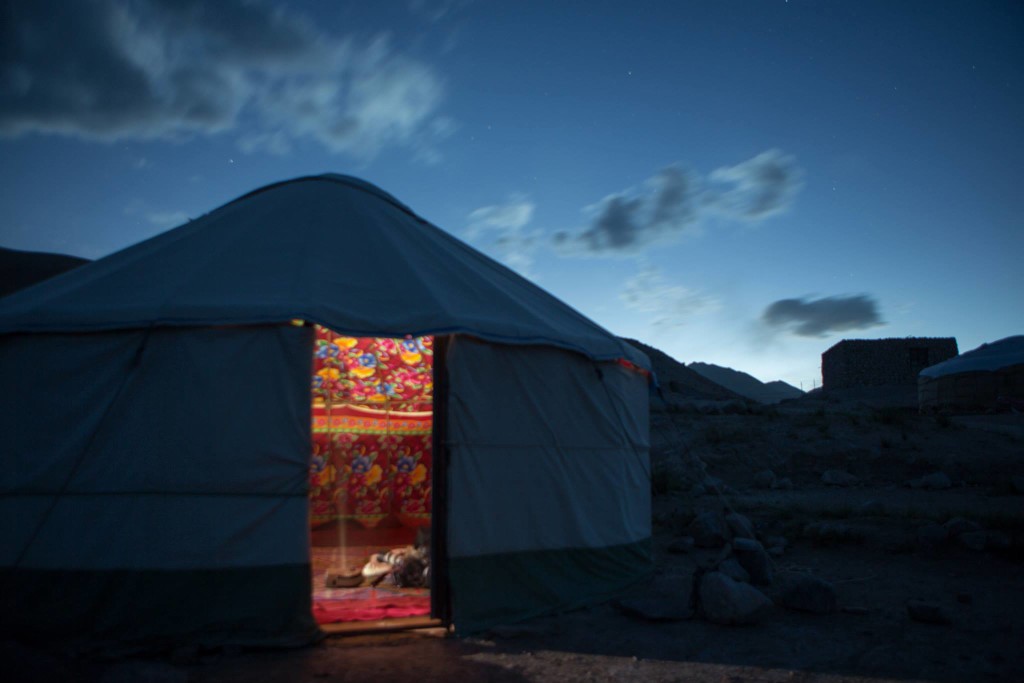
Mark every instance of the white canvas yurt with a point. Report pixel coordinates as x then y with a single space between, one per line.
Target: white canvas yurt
989 378
172 457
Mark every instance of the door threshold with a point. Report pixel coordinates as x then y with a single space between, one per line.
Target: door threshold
352 628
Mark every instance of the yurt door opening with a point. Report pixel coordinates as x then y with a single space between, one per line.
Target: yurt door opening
371 474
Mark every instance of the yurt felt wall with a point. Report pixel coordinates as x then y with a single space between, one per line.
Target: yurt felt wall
973 390
990 377
549 481
154 484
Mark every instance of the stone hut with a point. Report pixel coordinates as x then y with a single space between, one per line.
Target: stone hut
875 362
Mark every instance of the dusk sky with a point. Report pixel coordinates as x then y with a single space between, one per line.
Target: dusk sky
734 182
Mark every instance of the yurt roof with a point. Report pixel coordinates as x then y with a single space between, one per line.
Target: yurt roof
987 357
330 249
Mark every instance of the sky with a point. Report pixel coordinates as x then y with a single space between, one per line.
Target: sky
738 182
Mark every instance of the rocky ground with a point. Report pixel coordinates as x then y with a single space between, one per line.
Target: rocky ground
810 541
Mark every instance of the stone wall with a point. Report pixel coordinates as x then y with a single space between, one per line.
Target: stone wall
875 362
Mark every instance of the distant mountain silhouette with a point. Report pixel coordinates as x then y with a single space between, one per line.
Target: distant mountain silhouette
21 269
679 382
746 385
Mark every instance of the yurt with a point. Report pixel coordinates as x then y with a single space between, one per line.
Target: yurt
989 378
307 408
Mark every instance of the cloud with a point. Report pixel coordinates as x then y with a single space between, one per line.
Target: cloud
757 188
500 229
167 219
436 10
817 318
664 207
172 69
673 305
676 201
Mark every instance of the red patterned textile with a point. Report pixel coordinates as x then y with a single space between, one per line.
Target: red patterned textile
372 424
373 370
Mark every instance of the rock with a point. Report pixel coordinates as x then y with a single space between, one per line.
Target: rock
998 541
776 551
657 608
752 557
185 654
27 663
807 593
765 479
734 570
931 536
708 530
698 490
974 540
928 612
740 526
137 671
856 610
838 478
784 484
833 533
713 484
879 659
526 629
681 546
872 508
936 481
959 525
724 601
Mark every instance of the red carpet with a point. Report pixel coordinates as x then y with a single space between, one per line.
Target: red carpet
371 609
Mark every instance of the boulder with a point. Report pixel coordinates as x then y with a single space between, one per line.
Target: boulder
657 608
936 481
752 556
833 533
784 484
928 612
764 479
838 478
807 593
974 540
1017 483
872 508
740 526
708 530
997 540
681 546
725 601
734 570
959 525
931 535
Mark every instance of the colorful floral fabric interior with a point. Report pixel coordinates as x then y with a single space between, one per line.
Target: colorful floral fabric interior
372 425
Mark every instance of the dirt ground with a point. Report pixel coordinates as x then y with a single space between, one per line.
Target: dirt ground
881 553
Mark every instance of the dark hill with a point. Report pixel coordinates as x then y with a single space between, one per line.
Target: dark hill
746 385
679 382
21 269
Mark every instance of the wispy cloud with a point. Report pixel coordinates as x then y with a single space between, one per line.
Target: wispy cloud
672 305
674 202
757 188
162 69
501 230
665 206
167 219
819 317
436 10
